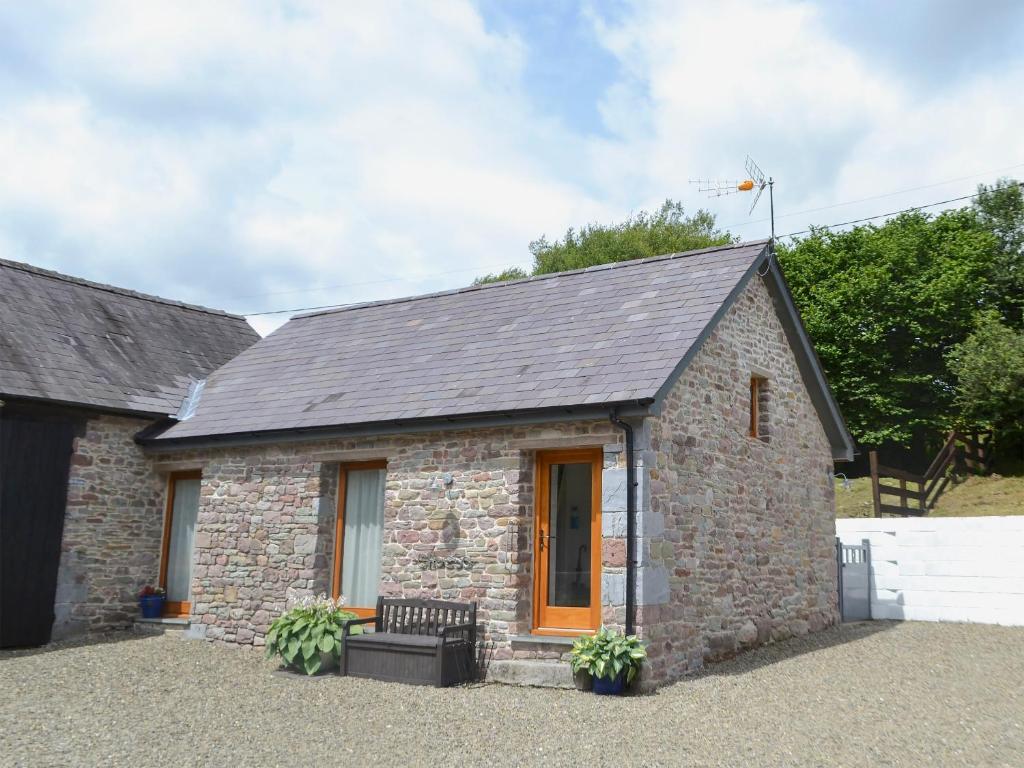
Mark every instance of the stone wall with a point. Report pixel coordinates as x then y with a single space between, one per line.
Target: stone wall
112 529
749 524
267 515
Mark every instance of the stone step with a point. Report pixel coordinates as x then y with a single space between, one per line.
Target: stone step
542 674
162 626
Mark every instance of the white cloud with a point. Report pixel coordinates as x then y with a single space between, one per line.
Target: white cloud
827 119
216 152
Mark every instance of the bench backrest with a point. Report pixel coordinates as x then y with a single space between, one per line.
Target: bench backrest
413 616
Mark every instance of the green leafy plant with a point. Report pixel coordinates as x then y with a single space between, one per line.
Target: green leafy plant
607 653
311 629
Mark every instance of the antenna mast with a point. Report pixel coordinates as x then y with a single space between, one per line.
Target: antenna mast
759 181
755 180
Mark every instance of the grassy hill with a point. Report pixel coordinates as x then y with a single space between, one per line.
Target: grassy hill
974 497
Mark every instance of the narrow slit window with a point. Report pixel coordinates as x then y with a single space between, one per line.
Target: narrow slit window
758 427
755 392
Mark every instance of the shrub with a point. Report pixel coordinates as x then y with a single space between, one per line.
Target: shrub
989 367
607 653
312 627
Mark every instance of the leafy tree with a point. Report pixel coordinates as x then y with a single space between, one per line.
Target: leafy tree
668 230
989 367
512 273
882 305
1000 208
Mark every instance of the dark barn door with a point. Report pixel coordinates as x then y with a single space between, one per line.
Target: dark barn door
34 460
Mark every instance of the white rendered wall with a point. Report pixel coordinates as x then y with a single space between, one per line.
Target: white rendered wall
944 569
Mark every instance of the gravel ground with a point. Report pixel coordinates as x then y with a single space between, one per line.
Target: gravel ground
879 694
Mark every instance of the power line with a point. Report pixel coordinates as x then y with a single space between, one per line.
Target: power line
895 213
286 311
876 197
790 234
728 227
367 282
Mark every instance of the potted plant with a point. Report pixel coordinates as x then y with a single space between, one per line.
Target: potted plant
579 661
308 636
611 659
151 601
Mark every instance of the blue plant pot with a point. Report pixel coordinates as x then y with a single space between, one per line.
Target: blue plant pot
152 606
604 686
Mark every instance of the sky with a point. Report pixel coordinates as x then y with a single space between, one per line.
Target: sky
264 156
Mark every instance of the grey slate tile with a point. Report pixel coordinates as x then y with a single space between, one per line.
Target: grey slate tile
578 338
66 339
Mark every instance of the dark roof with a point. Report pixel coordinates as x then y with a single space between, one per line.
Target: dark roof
568 343
73 341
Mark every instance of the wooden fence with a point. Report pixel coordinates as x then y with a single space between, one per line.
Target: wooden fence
961 454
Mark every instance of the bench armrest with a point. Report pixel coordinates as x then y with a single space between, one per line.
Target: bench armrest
451 629
352 622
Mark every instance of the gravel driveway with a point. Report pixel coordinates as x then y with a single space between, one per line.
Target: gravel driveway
877 694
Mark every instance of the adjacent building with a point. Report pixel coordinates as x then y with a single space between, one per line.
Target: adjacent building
83 368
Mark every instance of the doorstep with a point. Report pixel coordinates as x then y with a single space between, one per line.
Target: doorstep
540 641
540 674
162 626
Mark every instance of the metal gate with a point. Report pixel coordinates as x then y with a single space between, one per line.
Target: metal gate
854 564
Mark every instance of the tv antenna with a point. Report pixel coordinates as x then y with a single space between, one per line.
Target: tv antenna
755 181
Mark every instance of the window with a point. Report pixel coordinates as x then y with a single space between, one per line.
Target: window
179 539
758 427
359 535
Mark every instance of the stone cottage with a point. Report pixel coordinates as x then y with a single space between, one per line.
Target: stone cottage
83 368
647 445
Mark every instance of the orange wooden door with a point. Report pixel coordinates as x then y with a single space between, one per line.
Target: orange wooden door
567 541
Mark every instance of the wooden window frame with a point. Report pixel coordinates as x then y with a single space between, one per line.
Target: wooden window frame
755 415
588 619
758 427
174 608
339 530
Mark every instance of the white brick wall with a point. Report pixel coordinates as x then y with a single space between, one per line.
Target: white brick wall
944 569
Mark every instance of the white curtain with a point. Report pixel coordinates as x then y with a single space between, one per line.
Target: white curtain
183 530
364 537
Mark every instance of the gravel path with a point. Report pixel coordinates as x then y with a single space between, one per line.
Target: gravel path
880 694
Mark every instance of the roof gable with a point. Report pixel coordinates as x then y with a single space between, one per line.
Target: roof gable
72 341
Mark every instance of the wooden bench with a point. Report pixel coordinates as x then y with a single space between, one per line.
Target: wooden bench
424 642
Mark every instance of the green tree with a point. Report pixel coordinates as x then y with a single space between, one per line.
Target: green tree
1000 208
989 367
883 304
512 273
668 230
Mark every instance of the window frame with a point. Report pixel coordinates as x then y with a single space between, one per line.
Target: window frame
339 530
755 415
757 428
174 608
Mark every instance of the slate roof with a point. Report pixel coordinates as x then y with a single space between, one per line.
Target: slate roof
73 341
607 335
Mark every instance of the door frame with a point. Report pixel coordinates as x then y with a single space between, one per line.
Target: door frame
174 608
339 531
548 620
